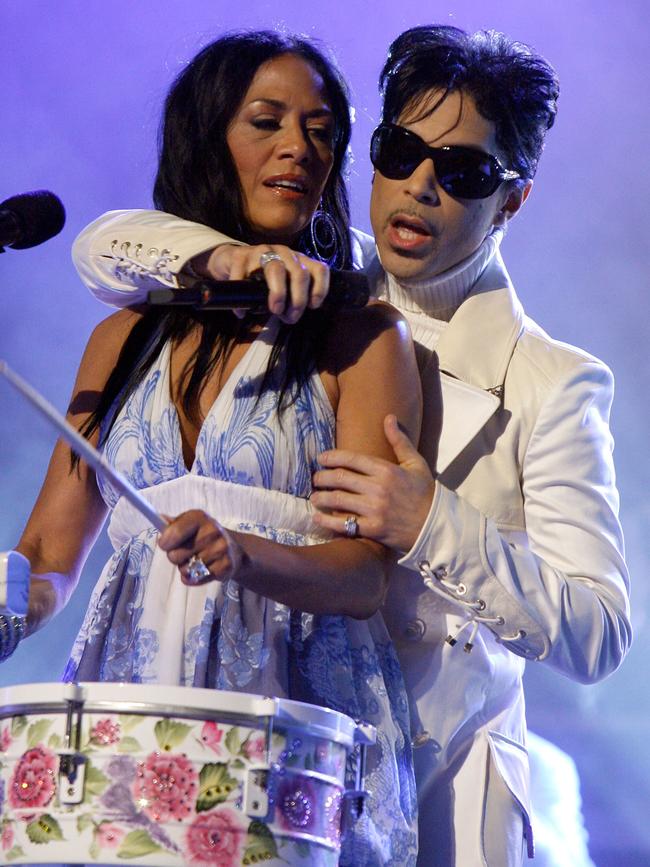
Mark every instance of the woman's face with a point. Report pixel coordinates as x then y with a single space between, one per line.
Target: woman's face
281 140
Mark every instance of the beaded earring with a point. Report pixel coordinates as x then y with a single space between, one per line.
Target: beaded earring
324 237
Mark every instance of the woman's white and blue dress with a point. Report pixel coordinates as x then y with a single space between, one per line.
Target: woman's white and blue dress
252 472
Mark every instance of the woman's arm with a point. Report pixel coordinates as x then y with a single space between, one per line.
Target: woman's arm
69 511
370 358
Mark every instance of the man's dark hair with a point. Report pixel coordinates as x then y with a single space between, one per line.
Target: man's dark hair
511 85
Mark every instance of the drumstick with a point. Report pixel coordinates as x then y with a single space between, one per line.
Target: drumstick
82 447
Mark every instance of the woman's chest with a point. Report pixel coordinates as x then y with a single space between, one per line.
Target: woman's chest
239 436
193 403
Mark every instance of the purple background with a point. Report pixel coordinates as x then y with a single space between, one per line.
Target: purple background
82 87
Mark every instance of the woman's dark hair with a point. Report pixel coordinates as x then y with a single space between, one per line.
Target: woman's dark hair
196 177
197 180
512 86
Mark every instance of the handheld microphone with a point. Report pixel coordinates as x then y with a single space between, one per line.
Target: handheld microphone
30 219
349 289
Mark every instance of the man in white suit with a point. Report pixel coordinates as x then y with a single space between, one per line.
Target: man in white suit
506 518
507 524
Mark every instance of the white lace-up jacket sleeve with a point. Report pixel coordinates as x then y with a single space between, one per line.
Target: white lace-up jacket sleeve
124 254
523 532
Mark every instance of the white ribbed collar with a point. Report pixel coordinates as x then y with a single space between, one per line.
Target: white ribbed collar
441 296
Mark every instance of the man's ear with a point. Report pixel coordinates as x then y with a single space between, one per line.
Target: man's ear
515 197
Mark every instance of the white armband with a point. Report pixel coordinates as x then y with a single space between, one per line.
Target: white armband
14 583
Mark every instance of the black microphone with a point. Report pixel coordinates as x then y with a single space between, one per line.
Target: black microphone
29 219
349 289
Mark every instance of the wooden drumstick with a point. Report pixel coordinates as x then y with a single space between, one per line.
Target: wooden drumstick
83 448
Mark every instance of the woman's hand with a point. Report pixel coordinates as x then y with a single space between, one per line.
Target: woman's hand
196 534
295 281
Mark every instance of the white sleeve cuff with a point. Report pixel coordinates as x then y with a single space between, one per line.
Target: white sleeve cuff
124 254
459 553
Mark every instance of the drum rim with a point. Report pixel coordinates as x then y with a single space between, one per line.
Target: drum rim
179 702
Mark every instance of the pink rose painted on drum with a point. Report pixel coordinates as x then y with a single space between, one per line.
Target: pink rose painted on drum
329 758
165 787
216 838
32 784
109 836
7 840
5 740
254 747
211 735
105 733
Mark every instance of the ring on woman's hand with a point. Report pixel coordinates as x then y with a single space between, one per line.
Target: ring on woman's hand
269 256
351 527
196 569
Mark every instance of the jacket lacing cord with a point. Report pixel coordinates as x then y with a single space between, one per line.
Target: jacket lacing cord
436 580
130 262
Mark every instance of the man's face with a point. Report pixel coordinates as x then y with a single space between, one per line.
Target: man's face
420 229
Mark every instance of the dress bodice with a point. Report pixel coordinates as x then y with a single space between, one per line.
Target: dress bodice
243 439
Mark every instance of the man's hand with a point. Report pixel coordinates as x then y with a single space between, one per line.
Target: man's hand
391 501
295 281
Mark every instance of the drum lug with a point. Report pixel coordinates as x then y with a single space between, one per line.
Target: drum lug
351 808
256 792
353 799
365 733
72 775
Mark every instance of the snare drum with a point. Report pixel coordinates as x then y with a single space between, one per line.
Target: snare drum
112 773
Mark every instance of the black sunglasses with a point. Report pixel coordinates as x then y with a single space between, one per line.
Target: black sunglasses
463 172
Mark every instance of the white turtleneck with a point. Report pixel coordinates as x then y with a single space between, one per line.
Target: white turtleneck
429 304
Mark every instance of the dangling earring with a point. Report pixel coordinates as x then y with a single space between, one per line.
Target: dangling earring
324 237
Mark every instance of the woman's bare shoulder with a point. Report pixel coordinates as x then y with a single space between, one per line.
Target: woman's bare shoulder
370 321
116 327
378 326
105 344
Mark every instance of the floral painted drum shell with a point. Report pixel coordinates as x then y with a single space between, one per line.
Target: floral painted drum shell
111 773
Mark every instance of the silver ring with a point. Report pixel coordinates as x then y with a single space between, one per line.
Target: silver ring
351 527
269 256
196 569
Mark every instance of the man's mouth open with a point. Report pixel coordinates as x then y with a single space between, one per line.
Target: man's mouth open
408 233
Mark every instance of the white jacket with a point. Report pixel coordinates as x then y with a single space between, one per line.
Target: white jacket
523 535
522 539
